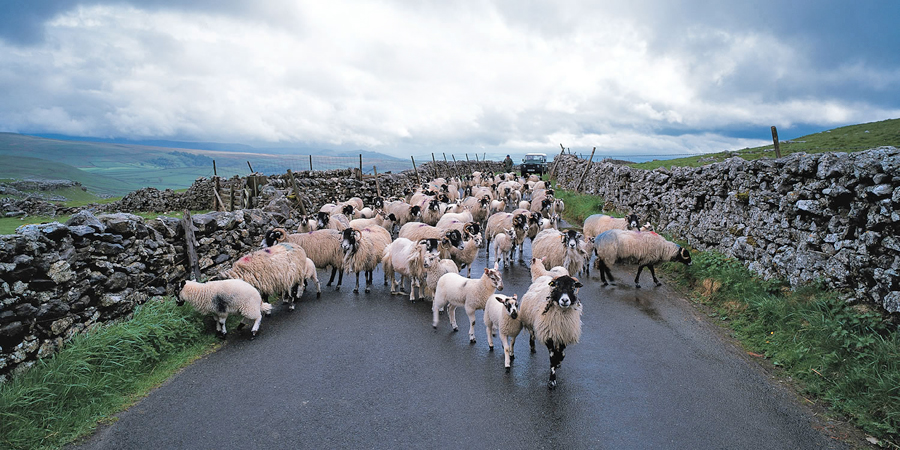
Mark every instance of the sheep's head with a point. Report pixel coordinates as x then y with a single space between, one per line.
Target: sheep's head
378 203
510 304
434 205
570 238
347 210
415 211
179 300
350 240
431 259
511 232
520 221
274 236
632 221
494 276
562 292
456 239
322 219
430 245
683 256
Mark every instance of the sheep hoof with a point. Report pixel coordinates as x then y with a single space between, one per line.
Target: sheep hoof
507 369
605 284
637 286
490 348
221 335
318 295
368 290
551 384
455 329
658 284
471 340
355 290
512 357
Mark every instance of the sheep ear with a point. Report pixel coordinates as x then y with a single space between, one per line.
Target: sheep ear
499 299
552 283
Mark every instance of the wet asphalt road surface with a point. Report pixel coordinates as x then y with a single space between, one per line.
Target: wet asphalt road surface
368 371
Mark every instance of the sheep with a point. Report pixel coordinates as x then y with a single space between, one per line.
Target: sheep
432 213
435 268
560 249
479 207
502 313
502 221
381 219
449 218
551 312
644 248
364 213
456 290
406 258
307 224
497 206
538 269
333 221
312 275
403 212
223 297
416 231
280 269
466 257
598 223
503 245
323 247
362 251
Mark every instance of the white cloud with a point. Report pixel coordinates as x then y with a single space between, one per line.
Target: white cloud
436 75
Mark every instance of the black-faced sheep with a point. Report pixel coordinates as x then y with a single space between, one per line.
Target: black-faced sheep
598 223
307 224
363 250
551 313
559 248
501 313
332 221
416 231
280 269
456 290
223 297
323 247
643 248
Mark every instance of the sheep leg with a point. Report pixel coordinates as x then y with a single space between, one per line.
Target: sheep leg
637 285
471 313
315 278
531 341
488 328
512 344
255 327
653 273
435 310
557 354
369 280
356 289
333 272
507 352
220 325
451 312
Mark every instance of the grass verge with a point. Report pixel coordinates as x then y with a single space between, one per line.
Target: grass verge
99 373
846 356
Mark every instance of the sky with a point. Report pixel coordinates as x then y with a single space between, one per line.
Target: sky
642 77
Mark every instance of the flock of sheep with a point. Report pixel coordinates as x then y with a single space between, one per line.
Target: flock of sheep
439 230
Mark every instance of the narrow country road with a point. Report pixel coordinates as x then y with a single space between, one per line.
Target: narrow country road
368 371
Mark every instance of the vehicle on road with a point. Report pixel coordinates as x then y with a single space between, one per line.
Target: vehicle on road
534 163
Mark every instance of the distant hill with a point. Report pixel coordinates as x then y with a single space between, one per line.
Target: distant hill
116 168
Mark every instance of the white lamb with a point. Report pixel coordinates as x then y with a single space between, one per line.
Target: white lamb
435 268
538 269
456 290
551 313
503 247
501 313
405 257
224 297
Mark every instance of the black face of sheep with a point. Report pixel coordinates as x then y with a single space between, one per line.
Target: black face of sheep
273 236
570 238
431 245
535 218
415 211
456 239
633 221
443 198
683 256
322 219
434 205
378 202
178 300
349 240
563 292
485 201
520 221
545 204
347 210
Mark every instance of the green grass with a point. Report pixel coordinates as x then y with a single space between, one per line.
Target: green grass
851 138
99 373
847 357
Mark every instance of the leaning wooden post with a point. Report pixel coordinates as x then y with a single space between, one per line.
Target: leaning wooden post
777 144
251 167
583 175
456 166
556 161
360 167
310 163
377 186
418 181
297 192
190 249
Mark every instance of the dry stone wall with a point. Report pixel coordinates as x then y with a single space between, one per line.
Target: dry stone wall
58 279
831 217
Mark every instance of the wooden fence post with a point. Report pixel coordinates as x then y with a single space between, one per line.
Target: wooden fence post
360 167
190 250
418 180
297 192
310 163
377 186
556 161
777 144
586 170
251 167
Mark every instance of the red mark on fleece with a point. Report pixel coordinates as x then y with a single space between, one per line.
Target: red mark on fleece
246 258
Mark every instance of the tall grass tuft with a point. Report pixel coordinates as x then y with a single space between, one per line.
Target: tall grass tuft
97 374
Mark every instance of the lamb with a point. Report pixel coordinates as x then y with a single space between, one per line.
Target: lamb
416 231
455 290
501 313
224 297
280 269
644 248
435 268
598 223
363 250
503 245
312 275
406 258
466 256
560 249
381 219
323 247
538 269
307 224
551 312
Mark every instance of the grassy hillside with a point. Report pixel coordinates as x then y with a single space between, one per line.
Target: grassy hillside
852 138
